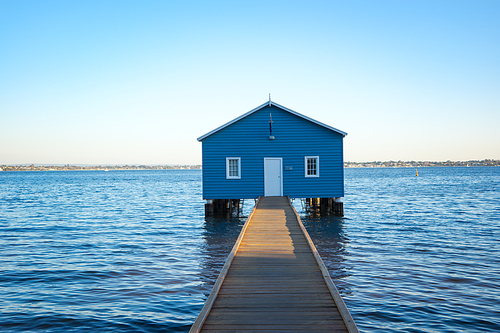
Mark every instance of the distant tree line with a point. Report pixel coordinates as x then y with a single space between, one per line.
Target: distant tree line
67 167
418 164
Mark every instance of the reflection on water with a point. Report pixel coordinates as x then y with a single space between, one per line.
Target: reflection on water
331 241
219 235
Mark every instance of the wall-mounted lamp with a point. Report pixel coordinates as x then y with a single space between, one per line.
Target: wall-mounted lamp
271 137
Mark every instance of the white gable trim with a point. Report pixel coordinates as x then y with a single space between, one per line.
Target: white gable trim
310 119
270 103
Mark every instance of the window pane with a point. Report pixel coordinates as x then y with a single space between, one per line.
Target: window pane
233 168
312 166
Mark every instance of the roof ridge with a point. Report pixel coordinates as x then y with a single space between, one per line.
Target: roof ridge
270 103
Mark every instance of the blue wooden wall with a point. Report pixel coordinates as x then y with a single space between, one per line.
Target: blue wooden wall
295 137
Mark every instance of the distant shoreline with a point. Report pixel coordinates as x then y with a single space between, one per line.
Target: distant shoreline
34 167
376 164
421 164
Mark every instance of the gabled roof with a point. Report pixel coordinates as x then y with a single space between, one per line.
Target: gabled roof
270 103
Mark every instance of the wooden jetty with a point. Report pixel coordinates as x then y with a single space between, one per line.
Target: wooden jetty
274 280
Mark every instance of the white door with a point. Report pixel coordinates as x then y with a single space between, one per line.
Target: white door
273 180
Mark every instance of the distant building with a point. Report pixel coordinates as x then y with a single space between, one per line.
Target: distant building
273 151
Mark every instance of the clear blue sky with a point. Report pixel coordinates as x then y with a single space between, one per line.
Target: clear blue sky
136 82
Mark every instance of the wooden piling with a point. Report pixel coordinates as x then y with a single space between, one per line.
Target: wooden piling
322 207
223 207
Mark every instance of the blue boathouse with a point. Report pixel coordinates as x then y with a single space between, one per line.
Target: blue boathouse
273 151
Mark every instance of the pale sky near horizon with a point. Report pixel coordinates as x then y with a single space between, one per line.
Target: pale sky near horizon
136 82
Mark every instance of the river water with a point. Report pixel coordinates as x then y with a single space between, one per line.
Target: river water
131 251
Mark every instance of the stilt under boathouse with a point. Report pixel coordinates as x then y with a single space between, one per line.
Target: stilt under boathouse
273 151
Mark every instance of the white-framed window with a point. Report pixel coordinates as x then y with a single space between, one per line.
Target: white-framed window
233 167
311 166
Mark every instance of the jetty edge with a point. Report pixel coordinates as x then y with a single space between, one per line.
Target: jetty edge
274 279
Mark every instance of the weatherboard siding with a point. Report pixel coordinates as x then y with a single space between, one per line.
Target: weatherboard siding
295 138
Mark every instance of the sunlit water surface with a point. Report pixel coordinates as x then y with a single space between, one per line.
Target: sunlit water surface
131 251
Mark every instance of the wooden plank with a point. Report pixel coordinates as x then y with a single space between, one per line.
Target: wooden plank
270 330
271 300
252 320
262 315
319 294
334 325
252 310
271 289
257 269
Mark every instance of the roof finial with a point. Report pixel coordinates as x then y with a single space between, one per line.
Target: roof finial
269 99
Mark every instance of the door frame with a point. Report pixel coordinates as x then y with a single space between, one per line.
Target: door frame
281 174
